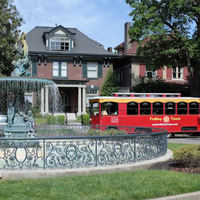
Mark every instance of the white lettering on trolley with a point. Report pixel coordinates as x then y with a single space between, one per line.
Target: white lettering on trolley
165 124
114 120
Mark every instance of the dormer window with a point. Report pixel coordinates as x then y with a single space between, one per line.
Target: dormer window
60 44
59 39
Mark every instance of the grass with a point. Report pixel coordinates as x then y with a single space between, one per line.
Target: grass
174 146
127 185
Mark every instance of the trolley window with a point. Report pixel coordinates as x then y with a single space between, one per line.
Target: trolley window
145 108
170 108
193 108
182 108
158 108
132 108
94 108
109 108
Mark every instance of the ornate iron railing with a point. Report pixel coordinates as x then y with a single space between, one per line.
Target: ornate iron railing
82 146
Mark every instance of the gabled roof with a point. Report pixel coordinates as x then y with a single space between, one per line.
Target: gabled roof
132 50
83 44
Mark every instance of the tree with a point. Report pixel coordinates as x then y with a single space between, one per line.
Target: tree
110 84
10 20
168 34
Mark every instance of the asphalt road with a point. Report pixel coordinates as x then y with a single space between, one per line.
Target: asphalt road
185 139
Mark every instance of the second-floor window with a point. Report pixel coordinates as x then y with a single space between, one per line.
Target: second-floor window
59 44
60 69
92 70
177 73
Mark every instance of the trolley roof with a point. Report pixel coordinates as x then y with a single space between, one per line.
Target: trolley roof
102 99
124 94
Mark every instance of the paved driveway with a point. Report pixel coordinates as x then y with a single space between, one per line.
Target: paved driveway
186 139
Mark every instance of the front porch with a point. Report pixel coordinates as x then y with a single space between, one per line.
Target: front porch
72 98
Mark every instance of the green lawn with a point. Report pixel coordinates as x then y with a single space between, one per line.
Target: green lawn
128 185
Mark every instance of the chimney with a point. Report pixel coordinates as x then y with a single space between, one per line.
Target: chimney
127 44
110 49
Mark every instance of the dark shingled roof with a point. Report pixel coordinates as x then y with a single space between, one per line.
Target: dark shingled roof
83 44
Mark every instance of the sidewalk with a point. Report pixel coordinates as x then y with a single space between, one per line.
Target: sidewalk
187 196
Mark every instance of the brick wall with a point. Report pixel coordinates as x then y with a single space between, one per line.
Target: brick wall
73 73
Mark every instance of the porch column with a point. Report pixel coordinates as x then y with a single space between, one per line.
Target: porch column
84 101
79 101
42 100
46 99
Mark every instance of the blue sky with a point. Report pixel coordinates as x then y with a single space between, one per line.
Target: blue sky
101 20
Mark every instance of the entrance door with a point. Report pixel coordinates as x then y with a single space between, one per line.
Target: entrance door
65 102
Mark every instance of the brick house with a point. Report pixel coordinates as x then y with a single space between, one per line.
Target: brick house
130 68
76 63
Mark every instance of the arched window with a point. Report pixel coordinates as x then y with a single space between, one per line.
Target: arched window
109 108
132 108
181 108
193 108
158 108
145 108
170 108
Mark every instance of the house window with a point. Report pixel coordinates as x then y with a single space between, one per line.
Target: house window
177 73
60 69
92 70
64 69
59 44
149 73
55 68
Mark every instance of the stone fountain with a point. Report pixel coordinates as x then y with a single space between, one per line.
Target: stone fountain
20 124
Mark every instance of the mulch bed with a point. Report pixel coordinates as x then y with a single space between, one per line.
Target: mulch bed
174 165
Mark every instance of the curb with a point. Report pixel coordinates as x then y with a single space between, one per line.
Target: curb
187 196
52 173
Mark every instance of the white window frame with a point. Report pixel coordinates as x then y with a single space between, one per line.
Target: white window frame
55 68
92 70
56 43
63 69
178 72
59 69
153 73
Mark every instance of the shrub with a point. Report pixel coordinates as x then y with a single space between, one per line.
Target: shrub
93 132
86 119
51 120
34 111
188 155
60 119
38 115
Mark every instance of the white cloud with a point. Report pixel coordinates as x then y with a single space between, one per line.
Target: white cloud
101 20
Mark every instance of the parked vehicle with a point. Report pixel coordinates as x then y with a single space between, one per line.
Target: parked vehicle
169 111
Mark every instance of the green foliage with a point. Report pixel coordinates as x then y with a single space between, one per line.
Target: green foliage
110 84
152 86
93 132
40 120
165 37
188 155
51 120
35 112
10 20
60 119
86 119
